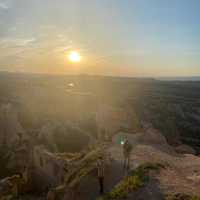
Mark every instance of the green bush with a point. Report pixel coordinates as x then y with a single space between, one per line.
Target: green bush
129 184
195 198
181 197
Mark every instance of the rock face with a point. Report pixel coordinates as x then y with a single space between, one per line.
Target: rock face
153 137
60 137
82 181
150 147
10 125
150 137
48 169
181 173
73 176
111 119
12 186
13 152
185 149
108 120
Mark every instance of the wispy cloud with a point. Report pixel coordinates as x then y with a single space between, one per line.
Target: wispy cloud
15 47
17 42
62 49
4 5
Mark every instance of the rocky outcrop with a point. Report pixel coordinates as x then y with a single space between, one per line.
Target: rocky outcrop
63 137
81 176
110 119
47 169
149 136
73 176
185 149
10 187
152 136
11 129
13 141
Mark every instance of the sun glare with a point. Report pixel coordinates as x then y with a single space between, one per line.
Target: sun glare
74 56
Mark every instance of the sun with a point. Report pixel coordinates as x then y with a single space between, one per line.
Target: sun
74 57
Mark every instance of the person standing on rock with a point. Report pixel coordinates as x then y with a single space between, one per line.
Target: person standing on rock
101 169
127 148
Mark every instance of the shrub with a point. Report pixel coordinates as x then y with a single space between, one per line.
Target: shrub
133 182
181 197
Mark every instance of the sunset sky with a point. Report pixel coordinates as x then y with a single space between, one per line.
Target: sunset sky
113 37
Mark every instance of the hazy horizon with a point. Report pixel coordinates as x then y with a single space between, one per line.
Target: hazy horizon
164 78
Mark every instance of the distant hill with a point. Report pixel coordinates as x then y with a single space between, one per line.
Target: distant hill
183 78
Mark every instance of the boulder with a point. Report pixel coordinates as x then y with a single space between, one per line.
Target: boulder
185 149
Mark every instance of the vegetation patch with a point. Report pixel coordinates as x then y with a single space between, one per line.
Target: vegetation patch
182 197
136 179
82 168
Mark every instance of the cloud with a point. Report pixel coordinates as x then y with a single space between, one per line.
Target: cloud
26 42
15 47
62 49
17 42
4 5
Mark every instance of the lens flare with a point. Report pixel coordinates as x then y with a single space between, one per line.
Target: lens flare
122 142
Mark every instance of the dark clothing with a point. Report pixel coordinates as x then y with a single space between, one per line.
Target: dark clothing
100 168
127 148
101 185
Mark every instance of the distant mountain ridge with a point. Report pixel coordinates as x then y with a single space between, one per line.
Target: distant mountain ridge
178 78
